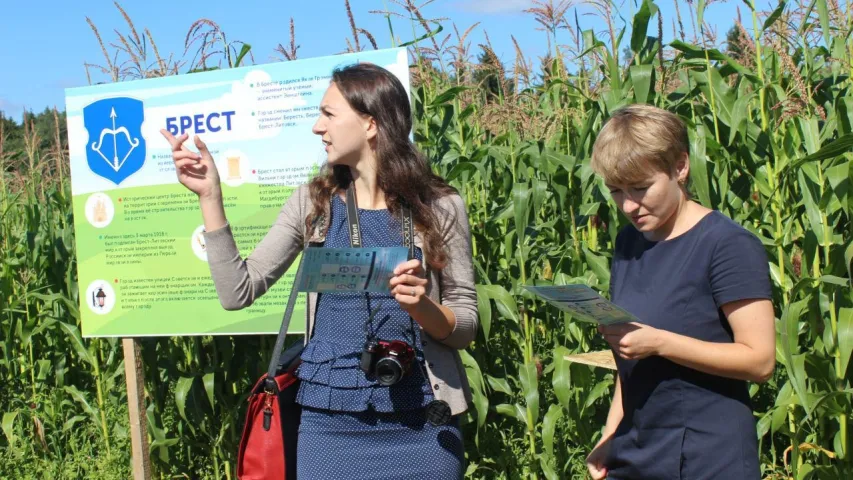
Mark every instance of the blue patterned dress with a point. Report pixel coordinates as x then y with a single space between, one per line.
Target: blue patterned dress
351 426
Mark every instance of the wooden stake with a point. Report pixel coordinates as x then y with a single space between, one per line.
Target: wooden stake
136 408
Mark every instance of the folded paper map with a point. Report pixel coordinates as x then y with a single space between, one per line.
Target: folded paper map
350 269
583 303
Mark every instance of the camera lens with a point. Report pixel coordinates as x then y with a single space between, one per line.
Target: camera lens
388 371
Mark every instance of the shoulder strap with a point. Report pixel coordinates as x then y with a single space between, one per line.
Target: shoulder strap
352 219
270 384
355 227
409 232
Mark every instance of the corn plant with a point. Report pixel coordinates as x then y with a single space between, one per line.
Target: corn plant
61 409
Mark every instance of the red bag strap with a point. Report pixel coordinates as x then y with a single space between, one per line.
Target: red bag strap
269 382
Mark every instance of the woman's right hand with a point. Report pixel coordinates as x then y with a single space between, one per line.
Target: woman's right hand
595 460
196 171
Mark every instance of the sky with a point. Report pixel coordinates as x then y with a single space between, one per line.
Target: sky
44 45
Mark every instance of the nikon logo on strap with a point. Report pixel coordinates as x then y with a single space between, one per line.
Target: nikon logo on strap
356 234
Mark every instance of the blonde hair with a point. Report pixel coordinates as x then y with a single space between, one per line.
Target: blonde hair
638 141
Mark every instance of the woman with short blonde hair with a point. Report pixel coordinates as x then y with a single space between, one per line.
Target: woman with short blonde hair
637 138
699 283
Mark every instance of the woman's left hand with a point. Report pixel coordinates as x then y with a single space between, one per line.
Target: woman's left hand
408 285
633 341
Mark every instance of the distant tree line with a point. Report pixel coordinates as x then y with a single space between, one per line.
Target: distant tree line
24 144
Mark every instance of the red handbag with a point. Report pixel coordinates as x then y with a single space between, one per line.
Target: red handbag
268 443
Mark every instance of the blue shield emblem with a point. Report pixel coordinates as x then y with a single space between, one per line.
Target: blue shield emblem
116 149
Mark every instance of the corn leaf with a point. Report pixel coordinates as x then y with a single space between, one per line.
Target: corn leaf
845 338
823 14
209 380
561 379
810 191
244 50
521 207
549 427
512 411
80 398
641 24
777 12
599 266
833 149
484 312
503 300
8 425
427 35
599 390
693 51
182 391
790 344
547 469
448 95
528 376
848 260
641 78
698 164
73 335
478 387
499 385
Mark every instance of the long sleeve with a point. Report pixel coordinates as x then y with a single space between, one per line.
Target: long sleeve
458 291
240 282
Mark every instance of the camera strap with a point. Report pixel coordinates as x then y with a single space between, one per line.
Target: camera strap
355 226
355 241
437 411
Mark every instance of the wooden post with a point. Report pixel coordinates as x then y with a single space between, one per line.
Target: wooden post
136 408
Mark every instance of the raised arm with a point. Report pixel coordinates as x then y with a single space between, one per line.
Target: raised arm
238 282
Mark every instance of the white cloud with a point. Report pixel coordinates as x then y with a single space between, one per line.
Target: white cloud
494 6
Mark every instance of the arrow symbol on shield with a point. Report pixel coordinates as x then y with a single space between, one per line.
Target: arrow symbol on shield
96 146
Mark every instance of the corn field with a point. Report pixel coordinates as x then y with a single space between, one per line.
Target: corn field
770 116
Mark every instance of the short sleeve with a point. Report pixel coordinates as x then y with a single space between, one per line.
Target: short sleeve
739 268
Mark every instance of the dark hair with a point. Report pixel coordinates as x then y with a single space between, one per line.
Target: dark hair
403 173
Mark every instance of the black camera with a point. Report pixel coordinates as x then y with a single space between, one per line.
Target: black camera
387 361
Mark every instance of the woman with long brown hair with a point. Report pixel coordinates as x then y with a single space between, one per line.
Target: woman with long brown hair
360 421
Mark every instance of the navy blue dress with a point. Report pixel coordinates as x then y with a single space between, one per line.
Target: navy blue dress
351 426
680 423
